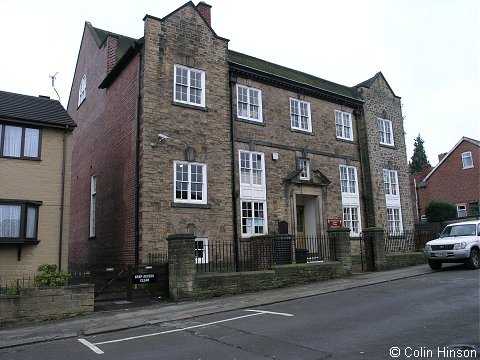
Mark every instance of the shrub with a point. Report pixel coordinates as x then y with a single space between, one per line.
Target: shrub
50 276
440 211
11 289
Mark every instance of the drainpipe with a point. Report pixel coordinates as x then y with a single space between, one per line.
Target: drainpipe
62 200
362 167
416 199
232 82
137 164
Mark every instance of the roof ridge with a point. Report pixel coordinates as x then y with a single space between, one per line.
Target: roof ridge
292 69
292 74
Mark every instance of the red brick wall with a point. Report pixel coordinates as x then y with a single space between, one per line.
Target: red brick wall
104 145
451 183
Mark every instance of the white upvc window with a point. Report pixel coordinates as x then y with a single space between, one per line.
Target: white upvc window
391 182
385 131
461 210
351 219
252 168
467 160
93 205
254 217
189 86
249 103
304 166
19 142
394 220
253 206
201 251
343 125
348 179
82 90
190 182
300 118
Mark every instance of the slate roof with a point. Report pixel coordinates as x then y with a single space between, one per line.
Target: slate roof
123 42
35 110
290 74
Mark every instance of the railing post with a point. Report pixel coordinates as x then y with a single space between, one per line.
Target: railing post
339 240
375 249
181 265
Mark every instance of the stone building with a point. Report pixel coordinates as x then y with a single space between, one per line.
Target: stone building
176 133
35 163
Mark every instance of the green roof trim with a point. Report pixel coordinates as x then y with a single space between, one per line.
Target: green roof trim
296 76
123 42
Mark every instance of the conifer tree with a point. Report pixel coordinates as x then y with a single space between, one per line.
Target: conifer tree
419 157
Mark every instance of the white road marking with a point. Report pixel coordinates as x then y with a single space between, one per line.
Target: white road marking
91 346
94 348
270 312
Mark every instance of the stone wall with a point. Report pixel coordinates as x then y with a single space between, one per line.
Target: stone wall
381 102
218 284
39 304
324 150
401 260
184 38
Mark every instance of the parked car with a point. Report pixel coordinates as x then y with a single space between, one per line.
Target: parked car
458 243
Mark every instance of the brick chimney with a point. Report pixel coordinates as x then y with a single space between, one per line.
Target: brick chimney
205 10
111 52
441 156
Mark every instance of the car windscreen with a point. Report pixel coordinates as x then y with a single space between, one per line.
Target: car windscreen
459 230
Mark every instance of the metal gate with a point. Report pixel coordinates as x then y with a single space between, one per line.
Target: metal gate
367 254
126 282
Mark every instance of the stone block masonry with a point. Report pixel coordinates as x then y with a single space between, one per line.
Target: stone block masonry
49 303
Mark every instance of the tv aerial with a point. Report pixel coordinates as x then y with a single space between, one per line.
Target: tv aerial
53 77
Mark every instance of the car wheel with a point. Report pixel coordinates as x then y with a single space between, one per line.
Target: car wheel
434 265
474 260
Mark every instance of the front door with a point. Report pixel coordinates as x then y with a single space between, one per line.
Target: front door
301 226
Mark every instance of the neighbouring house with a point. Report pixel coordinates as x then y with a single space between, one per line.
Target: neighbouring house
177 133
455 179
35 173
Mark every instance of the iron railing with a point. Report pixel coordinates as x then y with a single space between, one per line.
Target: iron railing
157 258
408 241
399 242
262 253
13 287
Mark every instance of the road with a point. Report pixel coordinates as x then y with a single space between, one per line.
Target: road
433 316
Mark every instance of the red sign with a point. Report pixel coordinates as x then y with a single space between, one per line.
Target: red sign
334 223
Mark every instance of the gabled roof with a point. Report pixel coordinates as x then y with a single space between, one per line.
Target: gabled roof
100 36
33 110
368 83
282 72
464 138
190 3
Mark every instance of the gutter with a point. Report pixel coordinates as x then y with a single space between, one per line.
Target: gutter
235 66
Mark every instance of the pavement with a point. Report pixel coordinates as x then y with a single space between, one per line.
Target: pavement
143 313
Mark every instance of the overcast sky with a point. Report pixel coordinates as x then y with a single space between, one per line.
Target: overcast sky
428 50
